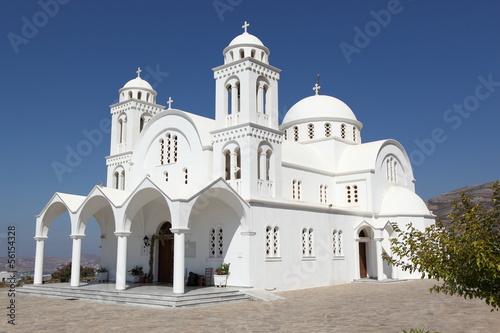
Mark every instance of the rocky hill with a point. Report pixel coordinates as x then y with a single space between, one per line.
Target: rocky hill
441 205
50 264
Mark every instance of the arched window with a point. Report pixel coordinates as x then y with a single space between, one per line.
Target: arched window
354 133
227 163
116 180
238 163
322 193
342 131
162 151
392 169
122 128
139 95
307 242
295 133
352 194
216 242
337 240
185 175
122 182
328 130
299 194
175 148
264 162
242 54
272 241
232 55
129 94
294 189
147 98
252 53
310 131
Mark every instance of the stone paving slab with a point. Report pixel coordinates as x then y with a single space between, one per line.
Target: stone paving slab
343 308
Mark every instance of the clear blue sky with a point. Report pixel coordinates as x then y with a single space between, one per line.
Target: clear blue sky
416 67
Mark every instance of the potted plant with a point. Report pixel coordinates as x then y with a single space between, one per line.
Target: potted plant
148 278
137 273
220 276
102 274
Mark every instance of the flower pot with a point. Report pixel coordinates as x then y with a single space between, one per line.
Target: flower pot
102 276
220 280
142 279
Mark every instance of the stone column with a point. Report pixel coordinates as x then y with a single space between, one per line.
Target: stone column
75 260
378 258
263 166
121 260
234 100
234 165
260 98
40 243
179 260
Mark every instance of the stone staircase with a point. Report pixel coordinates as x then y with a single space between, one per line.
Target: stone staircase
158 300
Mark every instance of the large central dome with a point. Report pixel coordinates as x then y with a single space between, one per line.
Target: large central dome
319 107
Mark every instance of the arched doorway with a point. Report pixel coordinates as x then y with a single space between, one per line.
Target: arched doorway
363 267
165 253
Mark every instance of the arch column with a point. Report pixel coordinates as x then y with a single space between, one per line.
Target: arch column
378 258
234 165
234 99
179 259
262 165
40 245
121 260
260 98
75 260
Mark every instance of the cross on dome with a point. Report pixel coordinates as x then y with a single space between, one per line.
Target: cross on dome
139 70
316 89
245 26
169 102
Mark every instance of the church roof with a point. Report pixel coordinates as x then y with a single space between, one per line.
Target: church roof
318 107
303 155
138 82
400 200
245 38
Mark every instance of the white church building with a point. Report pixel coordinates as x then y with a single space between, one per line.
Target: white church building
300 204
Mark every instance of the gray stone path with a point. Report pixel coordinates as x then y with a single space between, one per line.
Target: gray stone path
344 308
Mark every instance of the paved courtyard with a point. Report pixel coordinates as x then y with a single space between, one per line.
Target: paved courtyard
363 307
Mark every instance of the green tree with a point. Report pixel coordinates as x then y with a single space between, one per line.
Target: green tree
465 256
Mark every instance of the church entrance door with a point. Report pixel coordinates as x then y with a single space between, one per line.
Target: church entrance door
362 260
165 254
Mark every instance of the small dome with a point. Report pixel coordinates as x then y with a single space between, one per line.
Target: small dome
245 38
319 106
401 201
139 83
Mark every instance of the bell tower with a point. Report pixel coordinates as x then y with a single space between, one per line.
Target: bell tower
136 106
247 141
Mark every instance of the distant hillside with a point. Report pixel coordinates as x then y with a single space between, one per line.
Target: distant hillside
50 264
441 205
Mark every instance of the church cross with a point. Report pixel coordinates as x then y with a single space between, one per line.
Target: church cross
169 102
139 71
245 26
316 88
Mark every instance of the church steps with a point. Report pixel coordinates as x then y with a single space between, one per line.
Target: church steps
138 299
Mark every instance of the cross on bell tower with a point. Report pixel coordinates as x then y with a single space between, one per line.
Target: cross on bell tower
245 26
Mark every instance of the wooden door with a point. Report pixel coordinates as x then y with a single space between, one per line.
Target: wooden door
166 254
362 260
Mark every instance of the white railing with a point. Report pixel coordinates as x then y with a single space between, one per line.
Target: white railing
262 119
265 188
236 185
232 119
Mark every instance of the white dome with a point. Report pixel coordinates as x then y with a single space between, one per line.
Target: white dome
401 201
138 83
245 38
319 106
